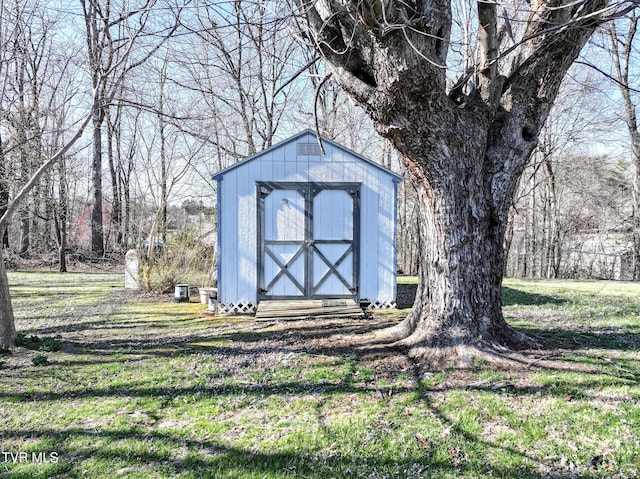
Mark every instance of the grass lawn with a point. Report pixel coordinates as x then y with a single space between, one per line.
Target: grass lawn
134 387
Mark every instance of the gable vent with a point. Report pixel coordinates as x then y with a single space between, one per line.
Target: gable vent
308 149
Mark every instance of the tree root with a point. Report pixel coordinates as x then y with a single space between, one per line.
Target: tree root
461 356
392 334
434 351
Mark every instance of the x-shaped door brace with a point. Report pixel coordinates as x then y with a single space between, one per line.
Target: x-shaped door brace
284 269
333 268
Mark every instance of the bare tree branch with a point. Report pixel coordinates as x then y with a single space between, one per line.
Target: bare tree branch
24 191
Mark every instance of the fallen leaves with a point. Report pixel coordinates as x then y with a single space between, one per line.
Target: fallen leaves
423 441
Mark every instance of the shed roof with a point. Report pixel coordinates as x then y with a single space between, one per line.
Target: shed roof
220 174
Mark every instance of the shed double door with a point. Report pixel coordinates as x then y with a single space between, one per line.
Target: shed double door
308 240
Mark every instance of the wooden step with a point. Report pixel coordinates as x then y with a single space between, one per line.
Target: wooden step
295 310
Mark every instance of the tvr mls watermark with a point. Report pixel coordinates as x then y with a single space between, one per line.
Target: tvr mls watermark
22 457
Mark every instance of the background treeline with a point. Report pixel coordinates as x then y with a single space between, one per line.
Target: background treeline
179 91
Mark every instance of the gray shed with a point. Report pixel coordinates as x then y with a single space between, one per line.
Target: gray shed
296 224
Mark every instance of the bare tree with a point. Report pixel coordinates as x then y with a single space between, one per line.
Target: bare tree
36 87
464 142
541 218
240 61
114 37
28 47
622 47
176 158
7 321
4 192
111 56
61 194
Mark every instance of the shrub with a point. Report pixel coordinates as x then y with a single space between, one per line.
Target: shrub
24 341
39 360
21 339
49 345
185 259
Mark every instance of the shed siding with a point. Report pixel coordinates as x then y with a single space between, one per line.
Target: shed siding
238 223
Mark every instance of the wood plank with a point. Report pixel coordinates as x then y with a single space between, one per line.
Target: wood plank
293 310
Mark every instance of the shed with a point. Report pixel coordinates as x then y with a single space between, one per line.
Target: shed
294 223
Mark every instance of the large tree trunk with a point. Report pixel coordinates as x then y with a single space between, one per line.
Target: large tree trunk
459 299
465 145
463 210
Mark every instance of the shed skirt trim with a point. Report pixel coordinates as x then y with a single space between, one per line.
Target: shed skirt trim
250 308
237 308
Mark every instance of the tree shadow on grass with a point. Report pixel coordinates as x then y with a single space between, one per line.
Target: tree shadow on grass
512 297
249 338
245 367
154 453
240 349
213 458
246 340
609 338
325 342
